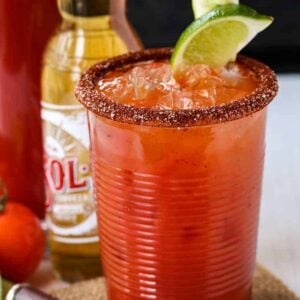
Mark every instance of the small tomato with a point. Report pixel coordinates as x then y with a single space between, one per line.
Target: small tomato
22 241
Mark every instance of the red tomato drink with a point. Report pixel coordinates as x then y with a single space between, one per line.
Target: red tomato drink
178 181
25 28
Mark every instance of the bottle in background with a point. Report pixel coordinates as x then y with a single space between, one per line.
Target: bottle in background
26 26
91 30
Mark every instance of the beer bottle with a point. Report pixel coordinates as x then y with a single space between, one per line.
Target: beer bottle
92 30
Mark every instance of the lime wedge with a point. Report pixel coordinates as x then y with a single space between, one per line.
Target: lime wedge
201 7
216 38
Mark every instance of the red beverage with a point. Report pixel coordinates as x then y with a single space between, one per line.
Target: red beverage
178 190
24 31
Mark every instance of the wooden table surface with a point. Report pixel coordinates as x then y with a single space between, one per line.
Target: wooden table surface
279 239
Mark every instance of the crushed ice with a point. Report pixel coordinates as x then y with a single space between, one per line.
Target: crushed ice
154 85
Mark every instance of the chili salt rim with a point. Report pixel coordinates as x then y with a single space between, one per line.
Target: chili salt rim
102 106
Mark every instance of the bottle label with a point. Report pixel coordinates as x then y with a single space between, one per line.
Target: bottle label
71 213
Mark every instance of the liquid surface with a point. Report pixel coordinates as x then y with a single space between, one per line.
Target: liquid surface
154 85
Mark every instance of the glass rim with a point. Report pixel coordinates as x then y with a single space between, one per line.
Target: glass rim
102 106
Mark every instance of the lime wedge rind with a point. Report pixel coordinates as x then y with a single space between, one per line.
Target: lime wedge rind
187 43
201 7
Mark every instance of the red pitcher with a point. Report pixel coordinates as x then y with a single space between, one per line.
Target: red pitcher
24 31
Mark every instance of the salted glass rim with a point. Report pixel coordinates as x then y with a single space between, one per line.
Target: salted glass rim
94 101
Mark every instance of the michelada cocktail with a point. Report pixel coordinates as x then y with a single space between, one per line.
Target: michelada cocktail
177 153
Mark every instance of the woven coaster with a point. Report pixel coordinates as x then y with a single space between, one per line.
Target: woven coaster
266 287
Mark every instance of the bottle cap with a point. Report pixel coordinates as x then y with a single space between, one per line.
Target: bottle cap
85 8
